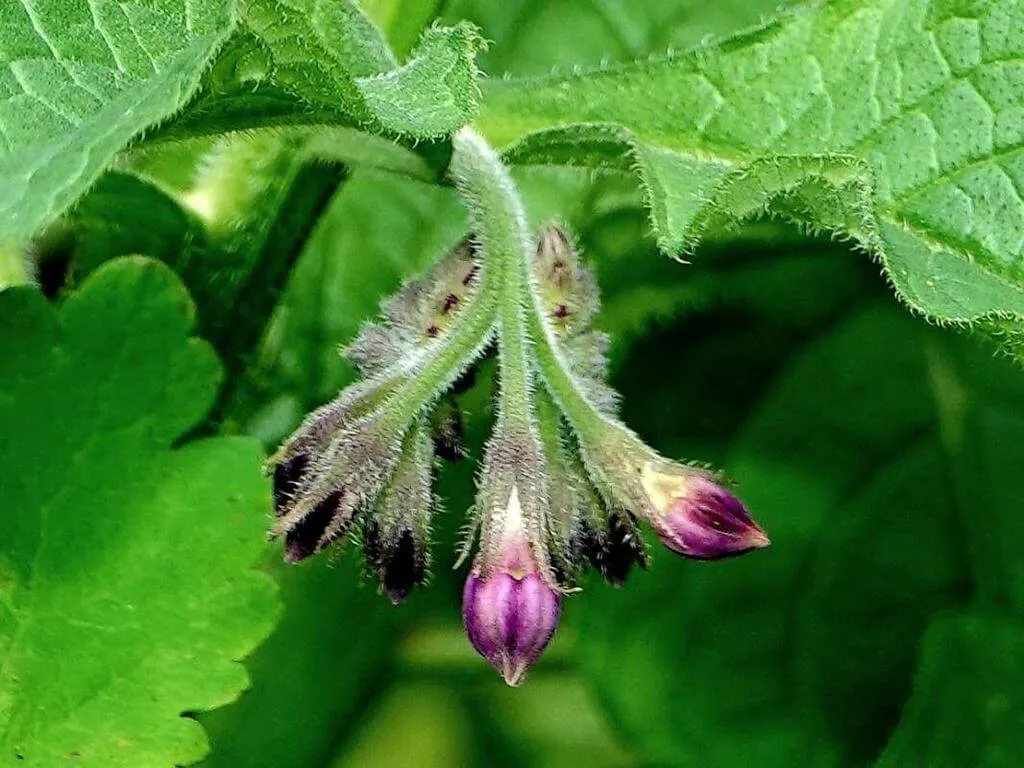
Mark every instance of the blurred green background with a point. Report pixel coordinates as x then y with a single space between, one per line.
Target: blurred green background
859 436
881 454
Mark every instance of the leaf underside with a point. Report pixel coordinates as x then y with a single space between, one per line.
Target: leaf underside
899 123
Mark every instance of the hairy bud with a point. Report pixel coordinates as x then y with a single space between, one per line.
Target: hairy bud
396 537
698 517
509 608
422 310
615 548
568 290
446 425
398 558
344 479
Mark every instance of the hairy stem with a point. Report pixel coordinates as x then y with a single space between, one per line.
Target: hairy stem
499 223
593 428
440 365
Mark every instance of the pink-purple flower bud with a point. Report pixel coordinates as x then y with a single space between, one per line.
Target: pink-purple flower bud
699 518
510 619
509 609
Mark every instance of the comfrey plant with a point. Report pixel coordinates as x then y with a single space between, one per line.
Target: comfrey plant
562 482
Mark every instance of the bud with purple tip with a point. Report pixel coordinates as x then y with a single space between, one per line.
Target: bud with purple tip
698 517
509 608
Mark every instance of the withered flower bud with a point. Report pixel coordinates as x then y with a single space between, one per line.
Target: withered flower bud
616 548
396 538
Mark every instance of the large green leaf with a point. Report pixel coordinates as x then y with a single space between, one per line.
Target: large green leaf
128 591
332 56
534 38
897 122
79 81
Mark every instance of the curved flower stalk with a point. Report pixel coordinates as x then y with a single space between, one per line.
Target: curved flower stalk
563 480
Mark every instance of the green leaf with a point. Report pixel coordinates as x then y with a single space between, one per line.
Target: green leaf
749 662
895 122
128 596
531 37
80 82
968 702
333 57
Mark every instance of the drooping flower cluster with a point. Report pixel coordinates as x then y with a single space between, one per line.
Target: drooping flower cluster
563 481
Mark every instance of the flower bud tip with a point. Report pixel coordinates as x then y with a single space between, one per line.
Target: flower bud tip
510 620
699 518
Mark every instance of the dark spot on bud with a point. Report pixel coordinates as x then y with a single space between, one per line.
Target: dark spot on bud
287 476
432 331
403 570
450 302
302 540
471 275
614 553
561 311
558 266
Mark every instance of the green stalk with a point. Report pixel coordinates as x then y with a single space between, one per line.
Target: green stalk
588 423
464 341
499 222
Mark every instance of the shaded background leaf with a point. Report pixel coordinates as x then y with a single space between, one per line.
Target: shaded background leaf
967 707
846 459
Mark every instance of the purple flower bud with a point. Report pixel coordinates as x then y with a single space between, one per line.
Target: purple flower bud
699 518
510 616
509 606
